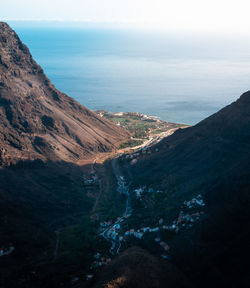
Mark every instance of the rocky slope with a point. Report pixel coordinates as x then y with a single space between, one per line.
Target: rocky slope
212 159
43 134
37 120
202 153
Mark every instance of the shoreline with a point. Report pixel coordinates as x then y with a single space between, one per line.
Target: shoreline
150 138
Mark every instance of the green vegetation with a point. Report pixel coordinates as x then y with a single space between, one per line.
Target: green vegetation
112 207
132 143
77 246
139 125
158 131
111 203
79 240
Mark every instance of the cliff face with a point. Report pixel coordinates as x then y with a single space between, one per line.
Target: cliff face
37 120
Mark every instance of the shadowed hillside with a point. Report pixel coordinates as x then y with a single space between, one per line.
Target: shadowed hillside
137 268
203 153
212 159
43 134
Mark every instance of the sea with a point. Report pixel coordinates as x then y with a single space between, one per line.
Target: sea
178 77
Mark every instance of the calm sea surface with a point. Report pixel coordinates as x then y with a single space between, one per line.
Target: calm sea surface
179 78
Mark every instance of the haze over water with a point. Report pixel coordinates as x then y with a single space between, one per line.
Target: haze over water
180 78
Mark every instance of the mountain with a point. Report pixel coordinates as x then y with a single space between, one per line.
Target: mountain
203 152
44 135
39 122
211 158
137 268
209 244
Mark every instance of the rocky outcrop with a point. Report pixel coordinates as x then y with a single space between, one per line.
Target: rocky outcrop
39 122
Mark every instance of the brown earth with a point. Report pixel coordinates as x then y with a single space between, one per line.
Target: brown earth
136 268
45 139
39 122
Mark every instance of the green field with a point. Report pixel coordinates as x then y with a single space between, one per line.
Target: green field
141 126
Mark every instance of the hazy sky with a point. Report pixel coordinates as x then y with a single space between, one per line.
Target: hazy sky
205 15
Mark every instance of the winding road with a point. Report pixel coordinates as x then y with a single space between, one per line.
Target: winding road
123 188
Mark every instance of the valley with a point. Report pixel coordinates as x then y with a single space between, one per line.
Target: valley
116 200
120 227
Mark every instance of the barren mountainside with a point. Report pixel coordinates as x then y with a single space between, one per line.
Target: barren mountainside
203 153
211 158
37 120
49 132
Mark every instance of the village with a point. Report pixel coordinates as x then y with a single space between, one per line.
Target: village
91 179
183 220
7 251
113 231
116 232
141 151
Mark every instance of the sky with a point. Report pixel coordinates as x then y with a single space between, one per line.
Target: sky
194 15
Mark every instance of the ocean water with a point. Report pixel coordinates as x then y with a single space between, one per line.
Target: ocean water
179 78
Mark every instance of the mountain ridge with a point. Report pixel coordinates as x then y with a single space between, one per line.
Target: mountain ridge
38 121
44 135
209 161
211 158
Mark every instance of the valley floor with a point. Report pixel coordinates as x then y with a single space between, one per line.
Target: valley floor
81 247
